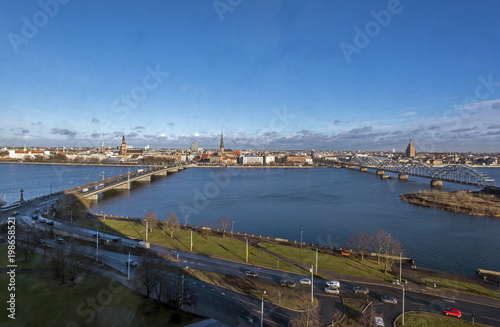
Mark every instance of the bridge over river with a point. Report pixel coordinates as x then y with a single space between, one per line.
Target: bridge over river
122 182
453 173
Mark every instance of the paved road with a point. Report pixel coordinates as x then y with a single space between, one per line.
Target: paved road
237 309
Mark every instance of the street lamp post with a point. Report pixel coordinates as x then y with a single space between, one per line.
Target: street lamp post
312 284
301 232
191 240
403 321
400 280
232 228
317 250
262 311
246 259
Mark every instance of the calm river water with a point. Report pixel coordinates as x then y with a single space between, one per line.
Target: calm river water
327 205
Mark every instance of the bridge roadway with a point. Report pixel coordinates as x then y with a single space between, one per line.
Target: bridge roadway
122 182
462 174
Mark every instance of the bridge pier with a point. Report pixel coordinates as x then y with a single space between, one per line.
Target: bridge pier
380 172
350 167
93 197
363 169
383 176
403 177
144 179
436 183
124 186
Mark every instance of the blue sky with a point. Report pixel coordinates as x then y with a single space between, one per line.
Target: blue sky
332 75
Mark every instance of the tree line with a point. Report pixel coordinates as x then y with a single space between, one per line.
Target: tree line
382 243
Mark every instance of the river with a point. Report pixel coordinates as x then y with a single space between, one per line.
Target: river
323 205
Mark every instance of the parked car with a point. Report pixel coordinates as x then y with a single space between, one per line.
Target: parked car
332 290
131 262
251 273
452 312
389 299
287 283
360 289
333 283
305 281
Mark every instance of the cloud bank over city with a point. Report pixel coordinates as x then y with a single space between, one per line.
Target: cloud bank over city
270 74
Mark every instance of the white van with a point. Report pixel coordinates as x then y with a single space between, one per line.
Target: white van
143 245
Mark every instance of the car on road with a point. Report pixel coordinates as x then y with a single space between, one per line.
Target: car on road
34 217
60 240
50 222
361 289
332 290
305 281
42 220
452 312
97 234
131 262
287 283
251 273
333 283
389 299
117 239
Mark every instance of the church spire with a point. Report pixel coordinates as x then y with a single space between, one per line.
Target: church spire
221 143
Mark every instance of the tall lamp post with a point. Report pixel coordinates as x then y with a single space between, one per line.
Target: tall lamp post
232 228
403 321
301 232
262 311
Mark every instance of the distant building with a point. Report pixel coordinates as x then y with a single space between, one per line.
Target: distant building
221 144
410 150
251 160
123 147
194 146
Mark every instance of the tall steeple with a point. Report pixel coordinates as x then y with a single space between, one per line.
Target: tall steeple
221 143
123 147
103 150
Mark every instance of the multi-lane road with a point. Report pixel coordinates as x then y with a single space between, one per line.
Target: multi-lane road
236 309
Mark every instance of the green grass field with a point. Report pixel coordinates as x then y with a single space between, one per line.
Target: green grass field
93 301
354 267
424 319
464 287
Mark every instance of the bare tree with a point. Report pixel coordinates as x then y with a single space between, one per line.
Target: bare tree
151 218
392 248
361 242
149 274
69 263
379 240
27 240
309 314
224 223
172 223
68 205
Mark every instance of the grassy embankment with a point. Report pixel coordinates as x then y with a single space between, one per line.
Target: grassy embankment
43 301
461 201
234 249
424 319
463 287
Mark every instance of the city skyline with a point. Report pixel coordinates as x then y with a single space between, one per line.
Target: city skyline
272 75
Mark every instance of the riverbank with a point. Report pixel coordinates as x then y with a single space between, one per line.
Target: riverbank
473 203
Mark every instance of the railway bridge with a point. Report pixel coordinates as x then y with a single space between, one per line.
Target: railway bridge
463 174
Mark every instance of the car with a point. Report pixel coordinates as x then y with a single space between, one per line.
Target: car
117 239
60 240
34 217
50 222
333 283
42 220
332 290
287 283
41 241
97 234
132 263
389 299
251 273
360 289
452 312
305 281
